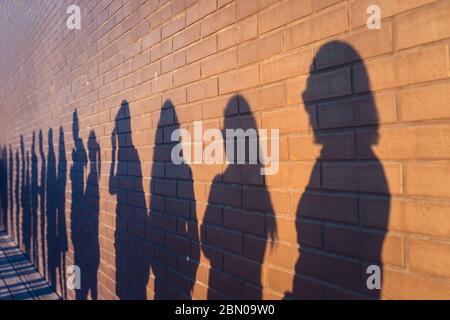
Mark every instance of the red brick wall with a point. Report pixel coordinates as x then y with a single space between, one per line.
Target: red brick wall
364 146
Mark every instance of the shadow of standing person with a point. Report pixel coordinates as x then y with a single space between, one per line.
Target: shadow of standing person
42 203
125 182
34 201
52 232
4 188
61 240
11 193
338 202
77 212
25 199
239 202
17 199
176 202
91 249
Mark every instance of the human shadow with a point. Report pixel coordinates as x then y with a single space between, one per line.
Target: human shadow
91 262
339 201
42 203
4 188
51 213
240 216
61 229
17 199
126 183
25 199
77 210
173 210
34 201
11 193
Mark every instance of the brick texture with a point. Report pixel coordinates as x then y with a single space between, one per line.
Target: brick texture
364 172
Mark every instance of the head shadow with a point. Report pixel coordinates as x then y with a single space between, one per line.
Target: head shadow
177 203
346 171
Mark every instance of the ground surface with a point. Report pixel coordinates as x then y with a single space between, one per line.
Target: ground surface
19 279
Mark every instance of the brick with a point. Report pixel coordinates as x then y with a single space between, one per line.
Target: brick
296 119
358 9
246 8
201 49
186 74
218 20
373 246
321 4
199 10
275 255
244 221
150 71
425 218
261 48
238 80
355 47
243 268
317 28
422 142
363 177
412 67
427 178
173 61
163 14
186 37
240 32
319 86
224 239
429 257
336 146
330 268
180 5
263 98
325 205
283 13
219 63
425 103
202 90
259 199
430 24
361 111
279 280
286 66
151 39
219 107
173 26
402 285
161 49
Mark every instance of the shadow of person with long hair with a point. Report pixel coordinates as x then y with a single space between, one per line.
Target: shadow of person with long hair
239 207
34 201
338 201
61 239
172 199
51 213
125 182
90 229
42 204
77 210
